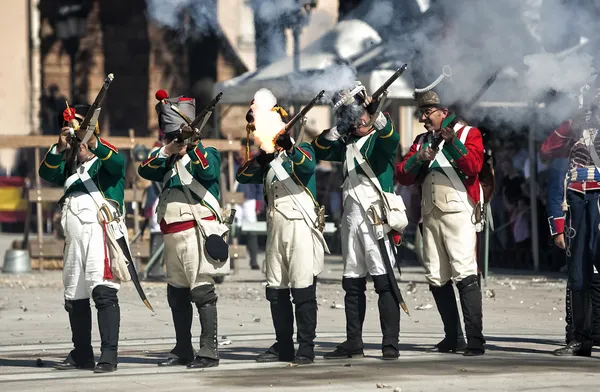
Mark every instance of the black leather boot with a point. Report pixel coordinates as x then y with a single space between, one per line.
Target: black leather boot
389 317
595 305
581 311
445 300
283 322
183 314
355 303
305 301
205 299
80 318
109 319
471 303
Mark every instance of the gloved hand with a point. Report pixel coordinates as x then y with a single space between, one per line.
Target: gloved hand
332 134
371 105
264 159
284 141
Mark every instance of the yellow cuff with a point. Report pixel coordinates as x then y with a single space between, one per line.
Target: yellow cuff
50 166
108 156
321 146
388 135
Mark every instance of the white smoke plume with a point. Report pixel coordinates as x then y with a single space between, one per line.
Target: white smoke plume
201 20
268 123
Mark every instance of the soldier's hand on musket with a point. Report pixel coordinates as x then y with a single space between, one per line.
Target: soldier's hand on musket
284 141
371 105
264 159
427 154
174 147
93 142
447 134
63 140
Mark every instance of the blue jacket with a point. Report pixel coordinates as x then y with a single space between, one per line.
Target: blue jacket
555 196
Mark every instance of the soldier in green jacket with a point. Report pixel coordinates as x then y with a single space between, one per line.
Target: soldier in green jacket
295 246
185 215
360 248
86 270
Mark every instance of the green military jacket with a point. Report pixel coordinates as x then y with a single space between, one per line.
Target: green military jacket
379 151
204 166
107 172
301 167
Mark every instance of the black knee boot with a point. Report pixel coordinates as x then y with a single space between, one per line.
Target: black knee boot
109 319
582 343
305 300
282 314
470 300
181 309
389 316
80 318
355 303
569 330
205 299
595 304
445 300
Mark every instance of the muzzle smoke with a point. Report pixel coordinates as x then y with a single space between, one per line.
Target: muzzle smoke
267 122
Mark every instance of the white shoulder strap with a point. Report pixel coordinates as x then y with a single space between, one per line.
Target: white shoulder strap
459 186
587 137
310 216
188 181
90 186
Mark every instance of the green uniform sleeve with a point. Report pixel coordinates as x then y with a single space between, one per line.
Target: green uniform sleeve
206 162
154 168
303 158
250 173
52 168
388 139
112 161
327 150
456 149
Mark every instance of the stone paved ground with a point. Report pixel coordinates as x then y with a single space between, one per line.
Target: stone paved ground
523 322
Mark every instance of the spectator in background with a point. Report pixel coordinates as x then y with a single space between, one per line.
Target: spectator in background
521 219
52 105
252 205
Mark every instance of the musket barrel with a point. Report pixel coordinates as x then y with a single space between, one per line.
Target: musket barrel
304 111
390 80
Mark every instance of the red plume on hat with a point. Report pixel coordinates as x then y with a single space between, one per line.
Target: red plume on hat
69 114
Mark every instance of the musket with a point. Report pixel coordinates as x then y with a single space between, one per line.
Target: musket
191 131
89 124
300 115
382 92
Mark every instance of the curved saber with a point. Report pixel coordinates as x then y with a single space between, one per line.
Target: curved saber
132 271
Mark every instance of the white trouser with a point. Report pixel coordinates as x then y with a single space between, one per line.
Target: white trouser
360 248
83 268
183 255
291 254
449 246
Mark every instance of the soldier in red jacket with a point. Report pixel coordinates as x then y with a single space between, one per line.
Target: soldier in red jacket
451 200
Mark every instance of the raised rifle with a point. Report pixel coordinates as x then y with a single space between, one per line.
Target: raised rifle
382 92
191 132
298 116
88 126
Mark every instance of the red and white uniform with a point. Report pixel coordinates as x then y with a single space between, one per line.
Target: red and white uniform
450 192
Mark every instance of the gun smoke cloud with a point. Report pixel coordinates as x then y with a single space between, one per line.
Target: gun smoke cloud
268 123
536 43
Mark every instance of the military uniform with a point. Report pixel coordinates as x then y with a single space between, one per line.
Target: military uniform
450 197
576 140
186 218
295 246
87 264
360 249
